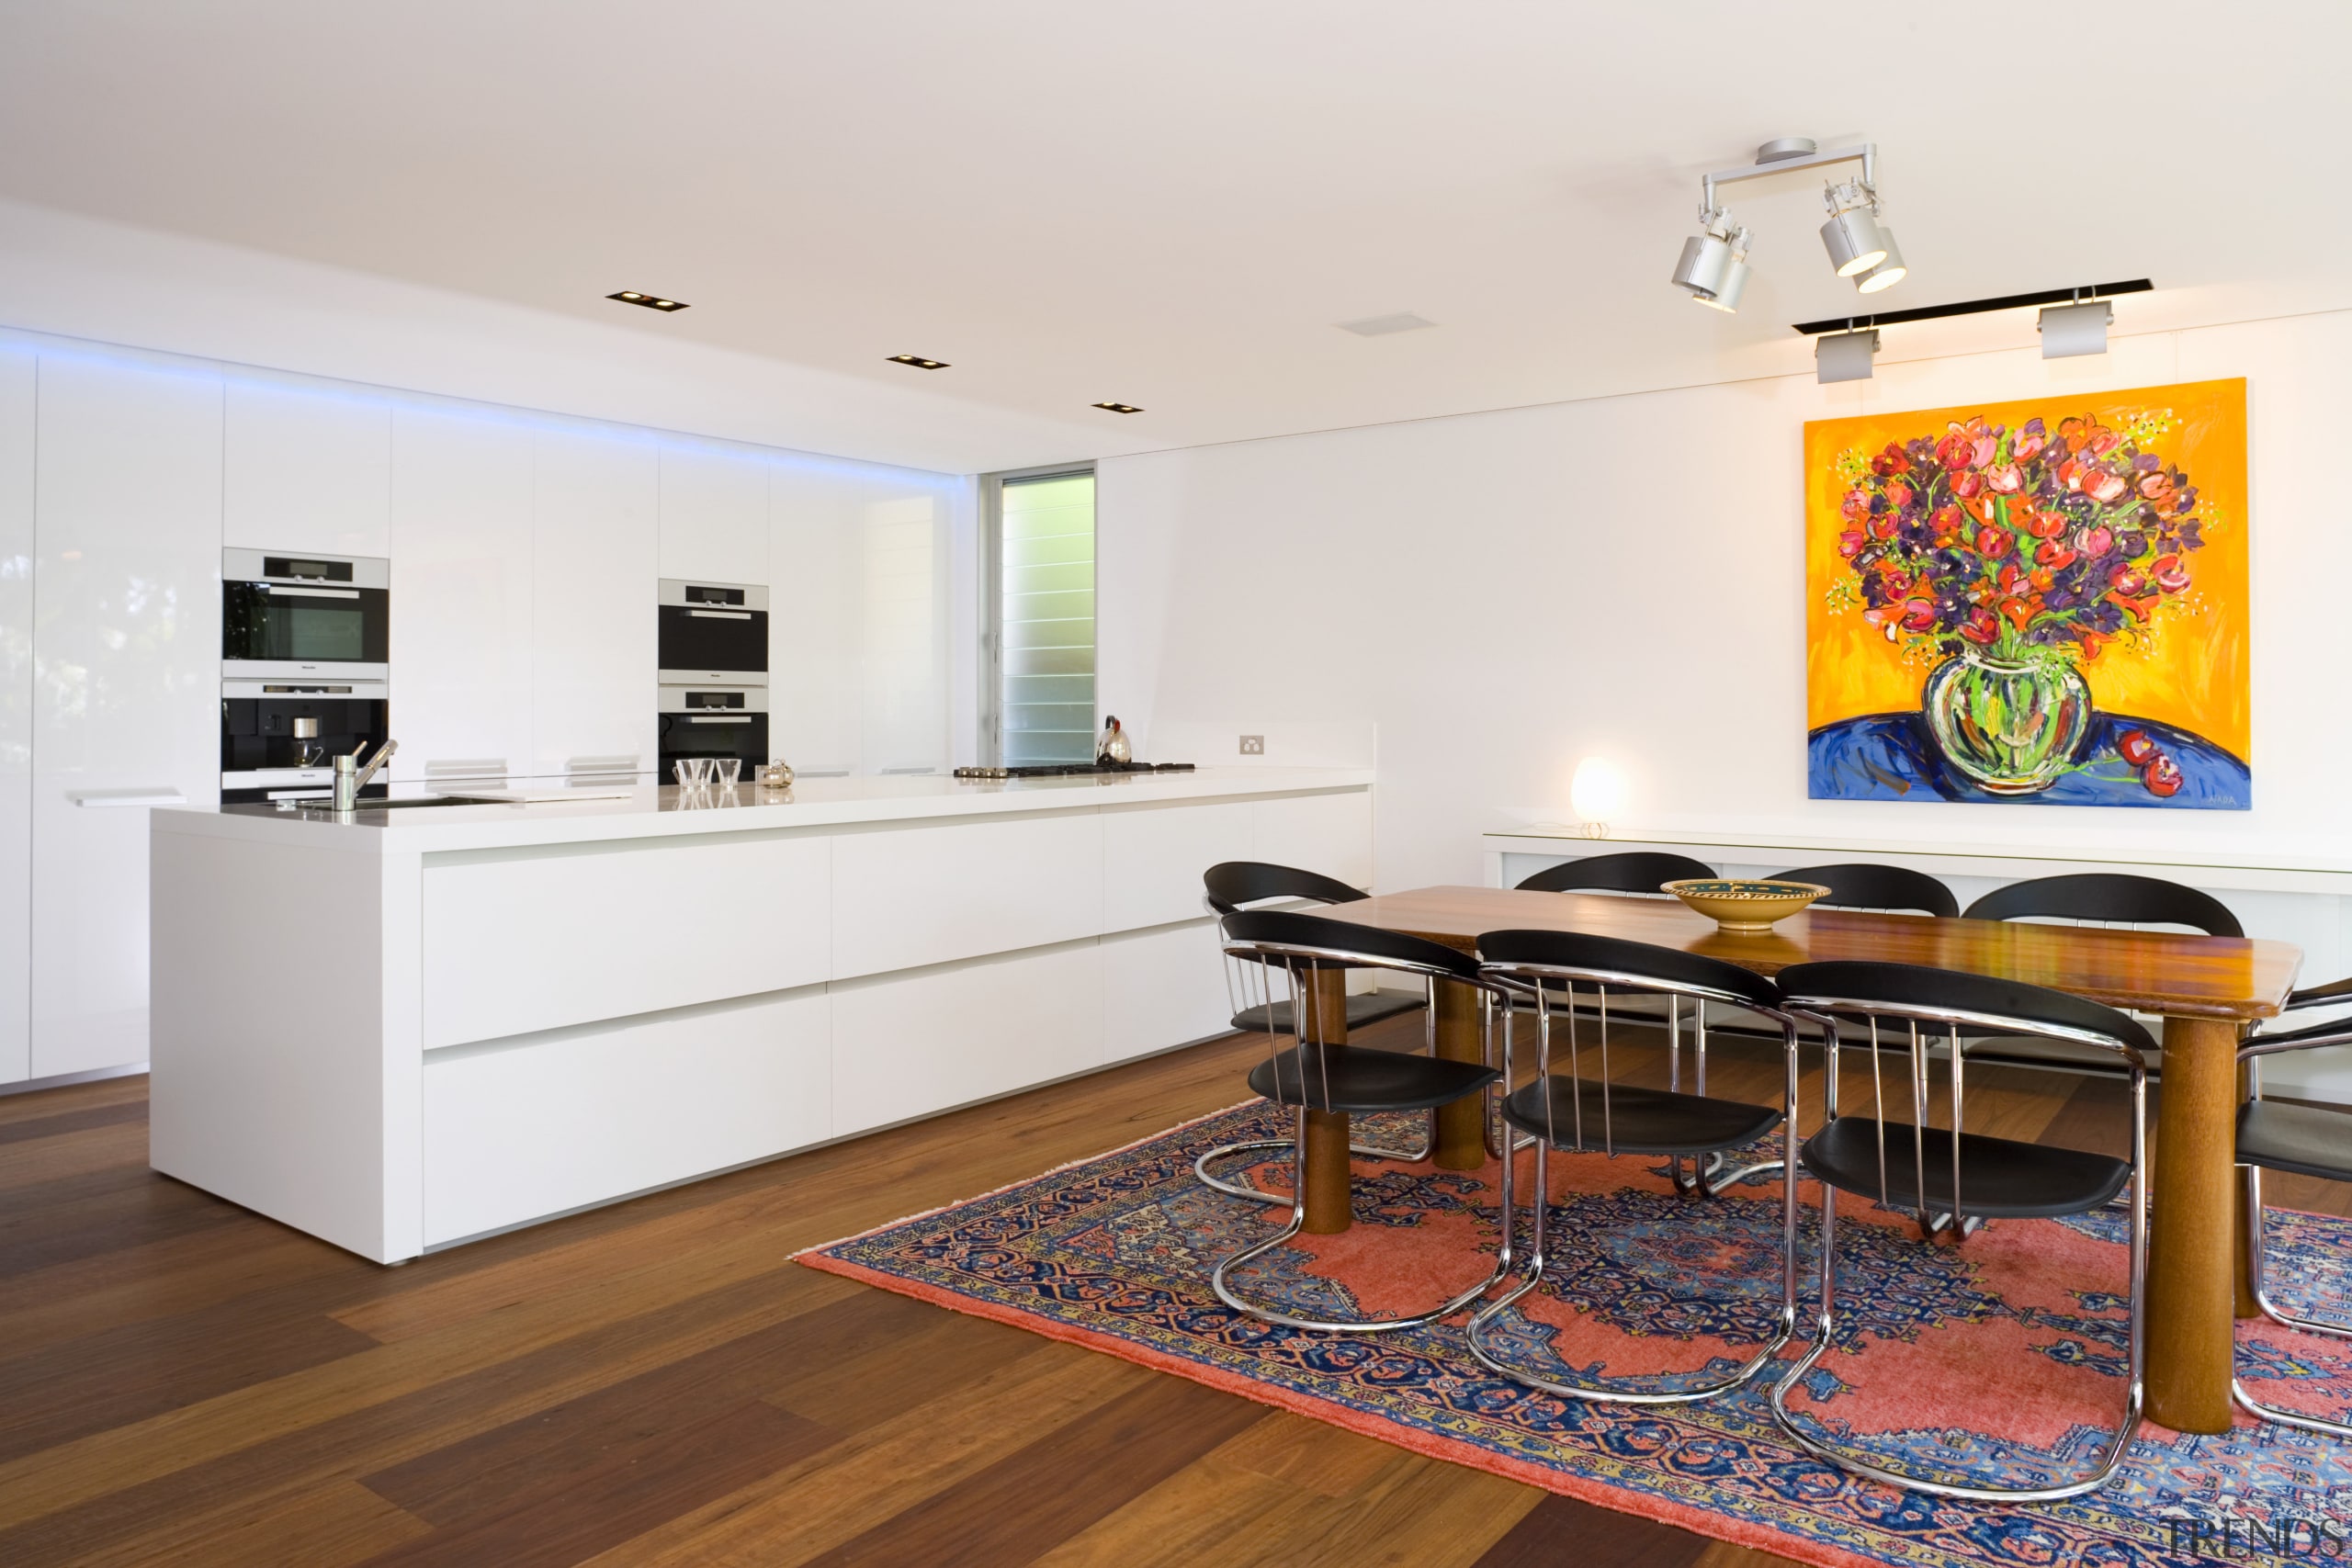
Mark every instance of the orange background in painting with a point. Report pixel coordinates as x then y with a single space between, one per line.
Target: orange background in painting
2191 672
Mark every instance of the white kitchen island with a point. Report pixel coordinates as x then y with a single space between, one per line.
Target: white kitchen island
428 1023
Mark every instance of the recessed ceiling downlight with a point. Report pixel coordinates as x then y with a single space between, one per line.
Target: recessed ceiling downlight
650 301
1118 408
918 362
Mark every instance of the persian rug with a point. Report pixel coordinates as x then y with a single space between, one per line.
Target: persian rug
2001 1357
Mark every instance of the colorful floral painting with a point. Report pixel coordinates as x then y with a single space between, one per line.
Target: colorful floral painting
2039 601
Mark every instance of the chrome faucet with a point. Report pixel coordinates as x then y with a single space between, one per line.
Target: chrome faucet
350 778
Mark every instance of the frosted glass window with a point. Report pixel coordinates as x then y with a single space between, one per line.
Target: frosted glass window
1047 619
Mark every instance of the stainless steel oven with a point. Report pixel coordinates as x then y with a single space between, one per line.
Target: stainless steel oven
714 721
713 634
286 616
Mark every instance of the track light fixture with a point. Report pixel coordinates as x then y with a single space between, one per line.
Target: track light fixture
1714 264
1844 356
2070 329
1714 261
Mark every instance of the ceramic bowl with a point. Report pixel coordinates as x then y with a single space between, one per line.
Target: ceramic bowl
1745 907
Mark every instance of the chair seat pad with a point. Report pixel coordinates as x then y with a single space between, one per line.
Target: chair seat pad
2304 1139
1999 1179
1362 1011
1355 1079
1638 1121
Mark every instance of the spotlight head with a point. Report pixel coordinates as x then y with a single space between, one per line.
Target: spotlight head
1727 294
1852 235
1844 356
1889 270
1714 264
2069 330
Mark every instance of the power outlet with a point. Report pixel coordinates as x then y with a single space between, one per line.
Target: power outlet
1254 745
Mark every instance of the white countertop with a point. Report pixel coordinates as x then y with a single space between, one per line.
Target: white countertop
667 811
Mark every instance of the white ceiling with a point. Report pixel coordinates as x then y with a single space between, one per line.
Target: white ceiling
1172 206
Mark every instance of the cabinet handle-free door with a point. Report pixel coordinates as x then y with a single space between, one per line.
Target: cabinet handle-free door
154 795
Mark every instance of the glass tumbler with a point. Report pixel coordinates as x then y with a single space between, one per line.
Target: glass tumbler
693 772
728 769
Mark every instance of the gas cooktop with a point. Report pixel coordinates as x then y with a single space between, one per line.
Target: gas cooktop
1072 770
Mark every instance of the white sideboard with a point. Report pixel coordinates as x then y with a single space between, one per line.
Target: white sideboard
503 1013
2302 895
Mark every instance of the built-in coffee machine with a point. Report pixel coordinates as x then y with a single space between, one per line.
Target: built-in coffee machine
305 670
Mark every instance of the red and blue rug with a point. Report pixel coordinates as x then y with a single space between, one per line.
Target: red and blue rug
2001 1357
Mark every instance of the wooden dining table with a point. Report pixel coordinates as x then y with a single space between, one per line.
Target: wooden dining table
2208 989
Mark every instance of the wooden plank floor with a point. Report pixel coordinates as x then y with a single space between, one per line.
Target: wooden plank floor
658 1384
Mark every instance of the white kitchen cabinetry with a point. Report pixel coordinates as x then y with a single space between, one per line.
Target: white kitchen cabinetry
306 465
461 594
713 515
17 380
542 1008
904 1047
596 555
127 642
511 1135
812 620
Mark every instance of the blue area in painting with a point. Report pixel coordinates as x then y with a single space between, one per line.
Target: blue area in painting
1892 756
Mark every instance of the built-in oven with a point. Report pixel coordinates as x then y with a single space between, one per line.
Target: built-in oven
279 738
286 616
713 721
714 634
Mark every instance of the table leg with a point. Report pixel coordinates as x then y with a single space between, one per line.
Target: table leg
1461 1126
2192 1257
1329 1210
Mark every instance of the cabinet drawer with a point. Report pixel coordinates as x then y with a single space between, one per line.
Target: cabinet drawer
514 944
515 1134
1153 858
906 1047
912 897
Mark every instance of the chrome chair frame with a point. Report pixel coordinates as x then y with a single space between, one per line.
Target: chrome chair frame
1294 959
1266 1146
2250 1056
1824 1011
1535 982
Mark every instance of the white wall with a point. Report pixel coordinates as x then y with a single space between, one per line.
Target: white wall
1503 594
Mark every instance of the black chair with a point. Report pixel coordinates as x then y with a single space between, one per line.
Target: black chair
1630 870
1236 884
1858 884
1567 1111
2304 1140
1634 870
1313 1075
1968 1176
1232 886
2111 898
